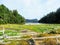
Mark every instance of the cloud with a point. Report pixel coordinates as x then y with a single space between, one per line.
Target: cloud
27 2
32 8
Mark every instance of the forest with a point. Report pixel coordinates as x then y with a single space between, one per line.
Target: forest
10 16
51 18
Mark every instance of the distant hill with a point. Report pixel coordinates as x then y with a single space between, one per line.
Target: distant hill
31 21
51 18
10 16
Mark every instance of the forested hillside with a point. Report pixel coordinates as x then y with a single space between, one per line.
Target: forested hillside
31 21
10 17
52 17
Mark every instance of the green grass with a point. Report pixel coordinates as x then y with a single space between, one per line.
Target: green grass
1 33
14 29
11 32
36 28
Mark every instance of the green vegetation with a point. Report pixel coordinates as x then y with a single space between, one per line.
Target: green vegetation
10 17
42 29
1 33
37 28
52 18
11 33
12 20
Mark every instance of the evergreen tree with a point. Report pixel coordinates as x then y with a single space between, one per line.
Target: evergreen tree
53 17
10 17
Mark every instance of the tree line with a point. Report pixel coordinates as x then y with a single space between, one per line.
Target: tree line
52 18
10 16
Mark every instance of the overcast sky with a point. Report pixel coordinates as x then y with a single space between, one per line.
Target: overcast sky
32 9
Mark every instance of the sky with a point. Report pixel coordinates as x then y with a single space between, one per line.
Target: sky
32 9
